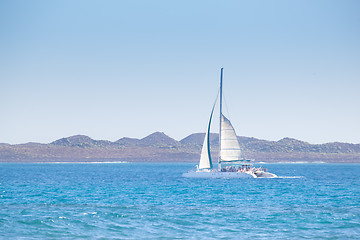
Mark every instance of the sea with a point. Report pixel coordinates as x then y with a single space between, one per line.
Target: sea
154 201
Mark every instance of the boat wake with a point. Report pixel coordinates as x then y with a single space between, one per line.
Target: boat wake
290 177
268 177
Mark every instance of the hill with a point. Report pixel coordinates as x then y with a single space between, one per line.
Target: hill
81 141
158 139
160 147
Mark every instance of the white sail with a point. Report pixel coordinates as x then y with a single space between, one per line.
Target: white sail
205 161
230 148
205 157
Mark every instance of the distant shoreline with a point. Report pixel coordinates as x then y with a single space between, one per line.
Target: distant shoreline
159 162
158 147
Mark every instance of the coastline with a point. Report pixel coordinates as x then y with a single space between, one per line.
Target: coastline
158 147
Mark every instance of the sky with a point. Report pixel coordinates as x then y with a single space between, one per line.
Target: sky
113 69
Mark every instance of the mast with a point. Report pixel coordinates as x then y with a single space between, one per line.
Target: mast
219 160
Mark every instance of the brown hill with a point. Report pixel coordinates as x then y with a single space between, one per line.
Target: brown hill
160 147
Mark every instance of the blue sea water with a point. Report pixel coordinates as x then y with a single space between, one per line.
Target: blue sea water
154 201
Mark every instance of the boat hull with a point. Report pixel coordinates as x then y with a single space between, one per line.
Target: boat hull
218 175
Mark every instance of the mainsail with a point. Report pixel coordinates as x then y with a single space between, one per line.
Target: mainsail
230 148
205 158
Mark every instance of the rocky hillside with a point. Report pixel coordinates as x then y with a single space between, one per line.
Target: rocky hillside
81 141
283 145
160 147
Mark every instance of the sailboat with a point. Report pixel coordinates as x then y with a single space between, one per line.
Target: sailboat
231 163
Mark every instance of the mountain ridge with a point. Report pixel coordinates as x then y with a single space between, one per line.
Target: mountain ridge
160 147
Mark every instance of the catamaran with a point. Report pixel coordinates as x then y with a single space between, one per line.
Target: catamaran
231 163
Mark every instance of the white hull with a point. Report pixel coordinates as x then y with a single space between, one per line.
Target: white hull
219 175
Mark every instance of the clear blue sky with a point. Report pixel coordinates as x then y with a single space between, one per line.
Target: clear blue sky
109 69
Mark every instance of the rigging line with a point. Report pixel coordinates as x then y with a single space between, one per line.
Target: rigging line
226 107
217 96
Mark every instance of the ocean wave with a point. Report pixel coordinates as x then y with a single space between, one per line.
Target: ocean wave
299 162
290 176
115 162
